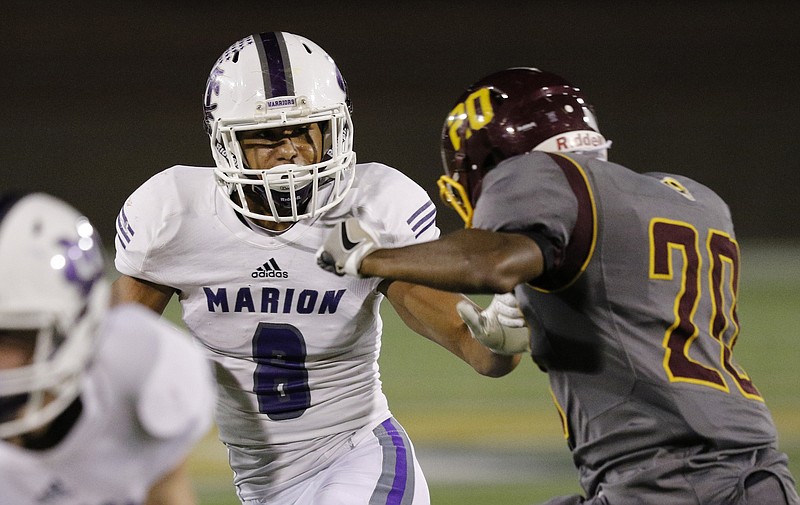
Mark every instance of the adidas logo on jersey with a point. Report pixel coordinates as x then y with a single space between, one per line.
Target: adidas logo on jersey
270 269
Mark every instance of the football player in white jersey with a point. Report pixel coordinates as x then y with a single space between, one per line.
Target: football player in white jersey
97 406
301 409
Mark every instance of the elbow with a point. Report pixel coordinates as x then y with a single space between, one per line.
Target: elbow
501 270
495 279
494 373
498 366
505 284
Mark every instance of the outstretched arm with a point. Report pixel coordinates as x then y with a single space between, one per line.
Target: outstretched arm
467 261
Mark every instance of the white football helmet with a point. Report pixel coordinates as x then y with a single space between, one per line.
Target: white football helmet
51 266
279 80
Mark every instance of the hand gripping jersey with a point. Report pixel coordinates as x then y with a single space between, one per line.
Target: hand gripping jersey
299 346
146 399
639 308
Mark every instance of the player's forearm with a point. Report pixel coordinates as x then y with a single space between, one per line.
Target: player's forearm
468 261
432 314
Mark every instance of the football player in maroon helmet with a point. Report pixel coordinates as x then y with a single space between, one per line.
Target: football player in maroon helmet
628 283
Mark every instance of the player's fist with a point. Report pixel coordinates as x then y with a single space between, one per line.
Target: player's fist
345 247
501 326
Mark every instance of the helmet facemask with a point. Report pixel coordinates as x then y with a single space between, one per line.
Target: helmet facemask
278 80
35 393
288 192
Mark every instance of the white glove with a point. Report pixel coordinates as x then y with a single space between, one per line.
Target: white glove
345 247
501 326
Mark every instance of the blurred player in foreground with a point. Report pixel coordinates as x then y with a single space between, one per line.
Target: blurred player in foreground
628 282
98 406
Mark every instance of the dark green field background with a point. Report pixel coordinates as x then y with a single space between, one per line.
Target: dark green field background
498 441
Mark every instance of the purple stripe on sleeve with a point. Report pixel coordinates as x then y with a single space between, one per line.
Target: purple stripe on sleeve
122 223
420 232
419 211
427 218
124 230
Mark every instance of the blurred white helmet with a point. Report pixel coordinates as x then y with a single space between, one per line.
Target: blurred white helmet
279 80
51 267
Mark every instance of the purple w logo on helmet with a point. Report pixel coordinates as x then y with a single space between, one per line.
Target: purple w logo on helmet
82 262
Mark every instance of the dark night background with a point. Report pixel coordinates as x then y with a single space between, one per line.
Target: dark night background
99 96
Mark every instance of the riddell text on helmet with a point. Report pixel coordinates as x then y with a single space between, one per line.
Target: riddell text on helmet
585 139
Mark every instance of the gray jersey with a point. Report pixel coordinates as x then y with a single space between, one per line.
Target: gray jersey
639 306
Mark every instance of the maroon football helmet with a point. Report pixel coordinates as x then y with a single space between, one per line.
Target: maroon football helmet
506 114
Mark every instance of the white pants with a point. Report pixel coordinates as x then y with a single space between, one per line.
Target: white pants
375 465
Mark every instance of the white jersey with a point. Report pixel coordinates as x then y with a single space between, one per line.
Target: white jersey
299 346
146 399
